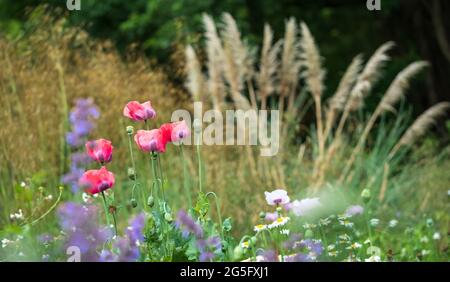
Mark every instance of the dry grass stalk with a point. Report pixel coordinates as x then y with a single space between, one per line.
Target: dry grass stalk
314 75
237 67
195 82
368 77
215 63
268 67
421 125
290 64
384 184
394 93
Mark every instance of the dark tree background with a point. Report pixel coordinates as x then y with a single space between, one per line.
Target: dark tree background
343 28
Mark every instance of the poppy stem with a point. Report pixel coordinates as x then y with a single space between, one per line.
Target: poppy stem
200 175
219 215
105 206
186 183
133 163
115 221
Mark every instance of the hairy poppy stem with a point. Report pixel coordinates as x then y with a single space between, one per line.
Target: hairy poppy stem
186 184
219 214
200 175
105 206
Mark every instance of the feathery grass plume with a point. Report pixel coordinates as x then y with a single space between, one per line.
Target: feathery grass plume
421 125
370 75
400 85
314 75
195 80
395 91
268 66
236 64
215 56
290 63
337 101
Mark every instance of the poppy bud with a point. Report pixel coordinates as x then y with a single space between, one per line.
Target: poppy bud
365 195
133 202
168 217
150 201
262 215
238 252
279 210
253 241
131 173
130 130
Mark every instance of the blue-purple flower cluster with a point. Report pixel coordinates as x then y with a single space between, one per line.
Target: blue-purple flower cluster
81 120
80 224
81 228
208 247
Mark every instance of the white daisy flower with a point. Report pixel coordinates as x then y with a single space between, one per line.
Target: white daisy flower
424 239
260 227
282 220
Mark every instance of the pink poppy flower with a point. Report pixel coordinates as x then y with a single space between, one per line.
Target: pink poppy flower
277 197
175 131
97 180
151 140
137 111
100 150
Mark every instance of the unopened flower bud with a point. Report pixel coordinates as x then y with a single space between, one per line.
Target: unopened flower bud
150 201
131 173
238 252
279 209
253 241
130 130
262 215
168 217
430 222
365 195
133 202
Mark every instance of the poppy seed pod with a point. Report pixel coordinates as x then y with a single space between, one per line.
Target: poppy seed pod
130 130
133 202
131 173
150 201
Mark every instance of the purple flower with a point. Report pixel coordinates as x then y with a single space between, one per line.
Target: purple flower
187 225
269 256
208 248
80 159
80 225
72 177
271 216
354 210
81 120
206 256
